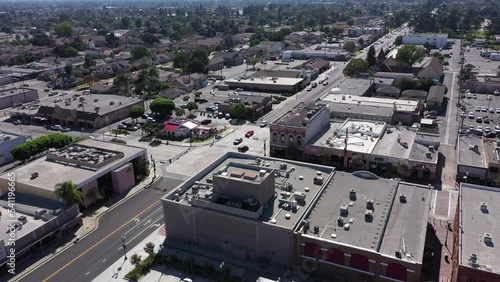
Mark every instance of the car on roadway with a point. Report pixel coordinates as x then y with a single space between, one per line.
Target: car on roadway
122 126
238 90
56 127
65 129
249 133
183 106
314 84
243 148
206 121
325 83
309 88
263 123
17 122
237 141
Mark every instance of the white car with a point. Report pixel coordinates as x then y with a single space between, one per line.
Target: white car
487 129
471 115
309 88
479 128
491 110
477 108
497 110
484 109
497 129
263 123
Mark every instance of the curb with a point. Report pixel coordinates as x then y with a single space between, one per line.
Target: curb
74 241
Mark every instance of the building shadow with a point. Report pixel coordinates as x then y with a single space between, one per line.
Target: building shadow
431 262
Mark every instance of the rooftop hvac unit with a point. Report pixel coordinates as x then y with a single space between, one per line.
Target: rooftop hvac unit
306 224
399 254
352 194
402 198
344 210
484 207
487 238
340 221
96 100
347 226
369 204
316 229
368 214
300 196
473 258
262 172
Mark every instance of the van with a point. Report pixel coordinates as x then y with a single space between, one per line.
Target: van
228 116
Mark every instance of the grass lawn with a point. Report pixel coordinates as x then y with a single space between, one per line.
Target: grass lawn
480 34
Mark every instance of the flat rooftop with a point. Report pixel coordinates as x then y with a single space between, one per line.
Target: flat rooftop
426 35
283 81
396 142
362 136
475 250
14 91
351 86
296 115
492 151
422 151
384 228
6 136
300 177
27 205
471 151
52 172
104 103
349 109
399 105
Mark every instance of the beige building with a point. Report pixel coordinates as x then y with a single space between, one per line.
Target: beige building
309 218
90 164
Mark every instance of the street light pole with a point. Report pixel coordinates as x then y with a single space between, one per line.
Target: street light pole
124 246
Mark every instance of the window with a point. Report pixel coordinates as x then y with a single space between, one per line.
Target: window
291 139
396 271
360 262
282 138
275 137
312 250
494 169
379 159
335 256
299 140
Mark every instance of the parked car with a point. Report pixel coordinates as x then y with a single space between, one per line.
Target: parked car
238 90
133 128
484 109
211 109
184 106
206 121
243 148
65 129
150 120
471 115
237 141
325 83
249 133
17 122
263 123
309 88
56 127
122 126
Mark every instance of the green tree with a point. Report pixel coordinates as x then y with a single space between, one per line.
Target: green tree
400 167
162 106
149 248
138 22
350 22
135 259
181 60
139 52
427 45
68 68
179 112
355 67
238 111
349 46
252 61
64 29
465 73
125 22
148 83
149 38
89 61
122 81
357 162
192 106
410 54
399 40
370 57
136 112
68 192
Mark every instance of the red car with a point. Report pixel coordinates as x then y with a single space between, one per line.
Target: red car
249 133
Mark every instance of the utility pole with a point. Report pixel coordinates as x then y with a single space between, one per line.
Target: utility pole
154 166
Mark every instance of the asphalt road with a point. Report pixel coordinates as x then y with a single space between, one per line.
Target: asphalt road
93 254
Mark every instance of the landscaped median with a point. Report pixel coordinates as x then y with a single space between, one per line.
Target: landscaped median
187 265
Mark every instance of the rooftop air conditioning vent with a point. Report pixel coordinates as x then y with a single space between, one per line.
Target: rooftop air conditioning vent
369 204
347 227
352 194
399 254
344 210
316 229
473 258
484 207
487 238
402 198
340 221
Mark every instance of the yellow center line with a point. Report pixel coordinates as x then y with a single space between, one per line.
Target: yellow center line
98 243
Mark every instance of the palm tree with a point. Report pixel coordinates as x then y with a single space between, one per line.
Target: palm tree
123 81
68 192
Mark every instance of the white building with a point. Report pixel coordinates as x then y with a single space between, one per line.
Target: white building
438 40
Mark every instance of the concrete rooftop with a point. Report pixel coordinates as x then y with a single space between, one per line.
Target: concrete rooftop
388 145
475 223
391 222
362 136
296 115
50 172
399 105
288 81
301 178
471 151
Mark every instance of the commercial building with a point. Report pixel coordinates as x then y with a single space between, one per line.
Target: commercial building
9 140
309 218
36 220
435 98
436 40
358 31
268 84
257 106
86 111
392 111
471 161
90 164
292 131
475 231
306 54
17 96
354 87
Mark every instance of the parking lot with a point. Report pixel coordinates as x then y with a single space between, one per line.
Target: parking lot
482 65
481 115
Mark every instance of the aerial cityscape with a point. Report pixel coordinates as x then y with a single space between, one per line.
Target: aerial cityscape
249 141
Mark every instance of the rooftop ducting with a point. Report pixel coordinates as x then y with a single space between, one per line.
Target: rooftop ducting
402 198
344 210
487 238
369 204
316 229
484 207
352 194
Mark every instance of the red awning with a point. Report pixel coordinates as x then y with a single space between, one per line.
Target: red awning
171 127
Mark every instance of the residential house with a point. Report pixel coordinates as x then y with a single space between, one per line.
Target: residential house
435 98
111 69
242 38
266 49
231 59
216 63
305 37
430 69
190 82
208 43
178 128
65 81
414 95
99 88
389 91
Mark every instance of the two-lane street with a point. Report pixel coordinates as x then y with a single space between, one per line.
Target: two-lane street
93 254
